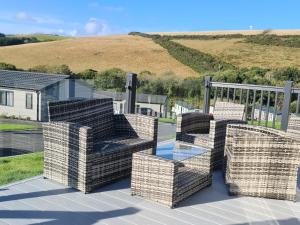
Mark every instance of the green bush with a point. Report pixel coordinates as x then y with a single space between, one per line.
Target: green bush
272 39
111 79
288 73
12 40
6 66
56 69
87 74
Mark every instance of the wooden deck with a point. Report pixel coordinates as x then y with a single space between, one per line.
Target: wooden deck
39 201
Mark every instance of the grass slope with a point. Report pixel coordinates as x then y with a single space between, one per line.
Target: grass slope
130 53
12 126
17 168
241 54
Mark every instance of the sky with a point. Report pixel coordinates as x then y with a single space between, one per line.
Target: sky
106 17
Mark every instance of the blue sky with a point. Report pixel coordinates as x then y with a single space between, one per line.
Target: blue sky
104 17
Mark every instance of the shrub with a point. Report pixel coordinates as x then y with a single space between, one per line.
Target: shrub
6 66
111 79
56 69
87 74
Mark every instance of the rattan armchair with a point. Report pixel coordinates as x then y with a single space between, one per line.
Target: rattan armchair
87 146
209 130
261 162
294 125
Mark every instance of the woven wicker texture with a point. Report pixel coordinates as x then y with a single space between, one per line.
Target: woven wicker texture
294 125
229 111
169 181
95 147
201 129
261 162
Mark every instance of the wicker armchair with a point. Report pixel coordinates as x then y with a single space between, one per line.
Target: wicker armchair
169 181
294 125
261 162
87 146
210 130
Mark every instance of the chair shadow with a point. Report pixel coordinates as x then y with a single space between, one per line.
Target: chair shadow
123 183
216 192
36 194
66 217
290 221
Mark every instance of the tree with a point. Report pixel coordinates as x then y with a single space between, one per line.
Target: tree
111 79
6 66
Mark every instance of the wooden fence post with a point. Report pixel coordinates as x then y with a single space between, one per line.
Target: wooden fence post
206 101
131 83
286 105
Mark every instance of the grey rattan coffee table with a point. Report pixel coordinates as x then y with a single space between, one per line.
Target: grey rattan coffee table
174 172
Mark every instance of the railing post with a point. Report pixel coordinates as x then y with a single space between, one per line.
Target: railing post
286 105
131 83
206 102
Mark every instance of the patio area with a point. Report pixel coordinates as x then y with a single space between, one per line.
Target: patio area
41 201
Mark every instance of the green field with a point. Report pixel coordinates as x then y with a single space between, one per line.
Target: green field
13 126
166 120
17 168
46 37
262 123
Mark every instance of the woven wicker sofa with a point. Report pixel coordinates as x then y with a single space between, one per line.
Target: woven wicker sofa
261 162
169 181
210 130
87 146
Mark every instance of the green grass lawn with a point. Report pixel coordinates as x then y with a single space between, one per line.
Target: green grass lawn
20 167
166 120
13 126
262 123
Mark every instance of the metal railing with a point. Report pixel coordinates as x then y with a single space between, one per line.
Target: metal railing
255 97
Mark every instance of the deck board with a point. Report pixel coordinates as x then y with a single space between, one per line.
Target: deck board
42 201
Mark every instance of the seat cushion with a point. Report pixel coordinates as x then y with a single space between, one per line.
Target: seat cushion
199 139
112 144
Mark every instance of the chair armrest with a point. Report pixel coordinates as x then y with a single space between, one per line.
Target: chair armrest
145 127
61 135
200 162
193 123
249 137
218 127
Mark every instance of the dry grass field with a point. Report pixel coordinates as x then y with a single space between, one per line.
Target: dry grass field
130 53
244 32
247 55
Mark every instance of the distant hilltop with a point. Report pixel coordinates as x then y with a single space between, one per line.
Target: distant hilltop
224 32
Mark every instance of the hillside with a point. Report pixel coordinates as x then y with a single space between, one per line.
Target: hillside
241 54
226 32
130 53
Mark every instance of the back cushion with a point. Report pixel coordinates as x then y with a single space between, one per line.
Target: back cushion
94 113
229 110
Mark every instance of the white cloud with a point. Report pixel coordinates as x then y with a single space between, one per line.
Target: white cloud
25 17
73 33
96 27
109 8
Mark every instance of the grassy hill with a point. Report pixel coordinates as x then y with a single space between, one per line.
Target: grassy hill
45 37
130 53
139 53
241 54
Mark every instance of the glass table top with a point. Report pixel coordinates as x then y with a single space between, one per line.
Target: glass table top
178 151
